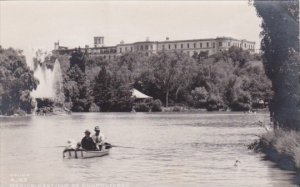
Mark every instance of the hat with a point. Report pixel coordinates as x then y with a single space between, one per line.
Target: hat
97 128
87 131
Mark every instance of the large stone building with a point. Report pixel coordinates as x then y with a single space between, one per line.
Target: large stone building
210 45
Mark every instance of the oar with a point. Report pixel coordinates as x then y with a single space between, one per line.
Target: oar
54 146
122 146
104 145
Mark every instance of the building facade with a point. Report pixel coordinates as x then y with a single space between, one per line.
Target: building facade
210 45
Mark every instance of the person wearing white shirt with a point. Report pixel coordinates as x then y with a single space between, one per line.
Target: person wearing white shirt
98 138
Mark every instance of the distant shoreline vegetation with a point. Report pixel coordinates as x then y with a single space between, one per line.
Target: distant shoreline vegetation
231 80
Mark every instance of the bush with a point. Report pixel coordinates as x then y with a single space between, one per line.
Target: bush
199 97
177 109
214 103
94 108
242 103
282 147
44 110
156 106
20 112
44 106
121 101
142 107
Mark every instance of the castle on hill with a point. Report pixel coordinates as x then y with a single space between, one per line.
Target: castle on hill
209 45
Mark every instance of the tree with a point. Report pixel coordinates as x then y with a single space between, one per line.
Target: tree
77 90
16 82
255 81
93 66
280 53
102 90
78 58
121 100
202 56
171 71
238 55
112 92
120 90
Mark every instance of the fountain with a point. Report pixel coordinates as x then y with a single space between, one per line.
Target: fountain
49 94
50 82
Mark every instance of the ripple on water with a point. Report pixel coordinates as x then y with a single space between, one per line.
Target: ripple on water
169 149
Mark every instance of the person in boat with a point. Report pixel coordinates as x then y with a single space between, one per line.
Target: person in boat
71 144
87 142
98 138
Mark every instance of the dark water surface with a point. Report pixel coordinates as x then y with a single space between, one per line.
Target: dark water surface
169 149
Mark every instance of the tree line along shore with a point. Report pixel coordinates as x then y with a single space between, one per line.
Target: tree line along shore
232 80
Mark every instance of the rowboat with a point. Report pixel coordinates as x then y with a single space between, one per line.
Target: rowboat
81 153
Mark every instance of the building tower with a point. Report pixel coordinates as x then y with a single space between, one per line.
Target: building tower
56 45
99 41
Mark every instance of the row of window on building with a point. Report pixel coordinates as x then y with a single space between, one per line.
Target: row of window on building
249 46
186 46
136 48
204 45
170 46
102 50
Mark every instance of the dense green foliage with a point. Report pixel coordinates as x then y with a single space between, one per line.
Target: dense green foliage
172 71
77 90
232 79
280 47
156 106
16 82
142 107
78 59
112 90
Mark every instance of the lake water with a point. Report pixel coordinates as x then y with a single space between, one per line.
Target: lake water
168 149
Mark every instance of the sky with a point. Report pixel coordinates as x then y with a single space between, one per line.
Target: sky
34 24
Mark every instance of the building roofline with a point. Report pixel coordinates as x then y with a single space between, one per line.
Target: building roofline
188 40
163 42
103 47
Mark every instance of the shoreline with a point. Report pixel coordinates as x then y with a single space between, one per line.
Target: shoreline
282 148
164 110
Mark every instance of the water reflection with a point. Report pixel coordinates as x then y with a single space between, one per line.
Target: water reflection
15 122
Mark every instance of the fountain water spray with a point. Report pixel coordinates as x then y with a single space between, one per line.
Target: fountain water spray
50 82
49 93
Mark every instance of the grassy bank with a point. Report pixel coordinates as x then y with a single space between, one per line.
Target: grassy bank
281 147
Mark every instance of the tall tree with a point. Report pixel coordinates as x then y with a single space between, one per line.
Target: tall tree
77 90
112 91
172 71
78 58
280 52
16 82
101 90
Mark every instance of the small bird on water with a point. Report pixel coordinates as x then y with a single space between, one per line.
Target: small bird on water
236 163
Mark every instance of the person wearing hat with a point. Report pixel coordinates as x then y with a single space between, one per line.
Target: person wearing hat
98 138
87 142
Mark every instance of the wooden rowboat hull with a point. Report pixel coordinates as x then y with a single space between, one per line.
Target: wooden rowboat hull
70 154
